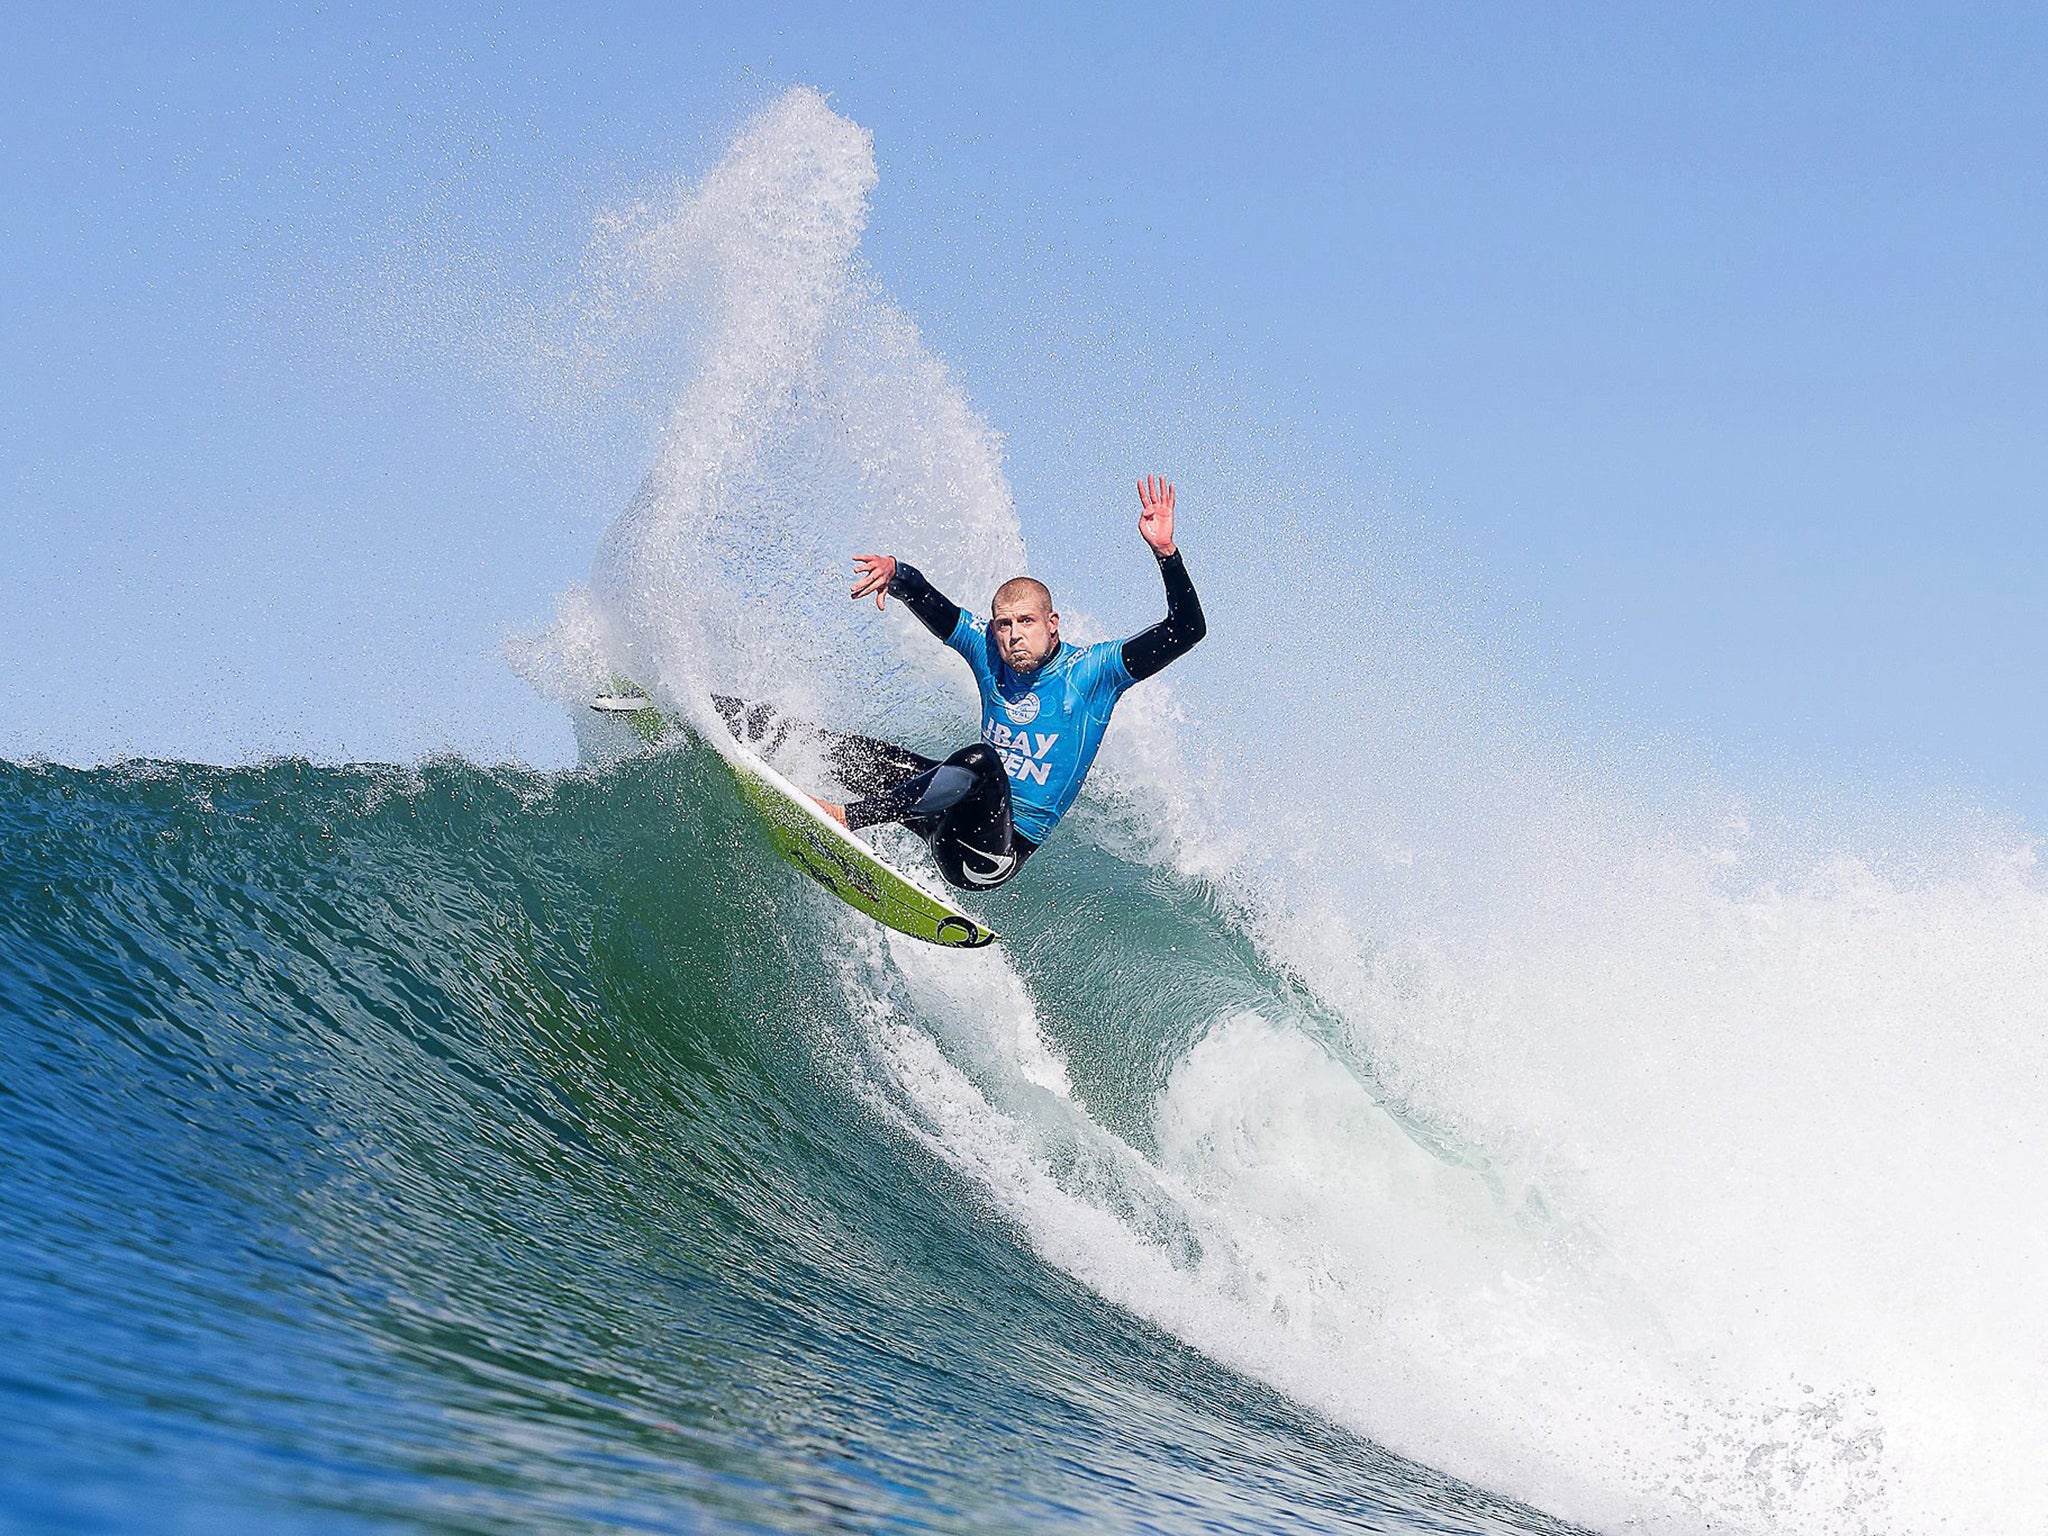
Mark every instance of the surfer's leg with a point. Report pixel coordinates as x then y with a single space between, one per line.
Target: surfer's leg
975 844
868 767
962 808
924 798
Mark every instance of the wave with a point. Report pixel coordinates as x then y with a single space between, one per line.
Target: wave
484 1147
1552 1118
1375 1076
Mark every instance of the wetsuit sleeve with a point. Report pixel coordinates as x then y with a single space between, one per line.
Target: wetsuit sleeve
1176 634
935 611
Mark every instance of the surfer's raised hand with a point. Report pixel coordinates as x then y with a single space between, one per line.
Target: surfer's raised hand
1155 514
873 573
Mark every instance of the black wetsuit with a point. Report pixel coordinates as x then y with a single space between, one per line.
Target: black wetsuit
963 807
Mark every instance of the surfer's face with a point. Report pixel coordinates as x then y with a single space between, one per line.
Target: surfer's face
1026 630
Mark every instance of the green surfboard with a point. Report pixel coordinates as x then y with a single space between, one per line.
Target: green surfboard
809 839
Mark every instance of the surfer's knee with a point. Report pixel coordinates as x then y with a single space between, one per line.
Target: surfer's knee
945 787
977 759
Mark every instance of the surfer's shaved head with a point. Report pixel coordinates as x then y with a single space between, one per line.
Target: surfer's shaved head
1017 587
1023 625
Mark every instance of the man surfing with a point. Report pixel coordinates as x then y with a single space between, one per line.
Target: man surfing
1044 706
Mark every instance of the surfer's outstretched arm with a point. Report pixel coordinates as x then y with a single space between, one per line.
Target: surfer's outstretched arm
885 576
1176 634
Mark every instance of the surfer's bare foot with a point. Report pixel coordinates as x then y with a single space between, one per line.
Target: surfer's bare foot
836 812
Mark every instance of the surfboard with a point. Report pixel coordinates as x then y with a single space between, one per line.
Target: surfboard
813 842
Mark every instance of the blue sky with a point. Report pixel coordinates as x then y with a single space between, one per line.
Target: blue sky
1713 341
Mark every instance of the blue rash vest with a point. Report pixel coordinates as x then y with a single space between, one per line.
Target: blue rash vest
1045 727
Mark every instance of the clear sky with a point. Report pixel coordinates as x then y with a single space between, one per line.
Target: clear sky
1713 338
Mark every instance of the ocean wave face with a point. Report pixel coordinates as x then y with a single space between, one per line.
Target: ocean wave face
487 1150
1383 1112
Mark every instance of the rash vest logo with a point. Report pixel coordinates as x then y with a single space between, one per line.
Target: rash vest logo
1022 711
997 867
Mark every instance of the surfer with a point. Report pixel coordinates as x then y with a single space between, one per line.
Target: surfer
1044 705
